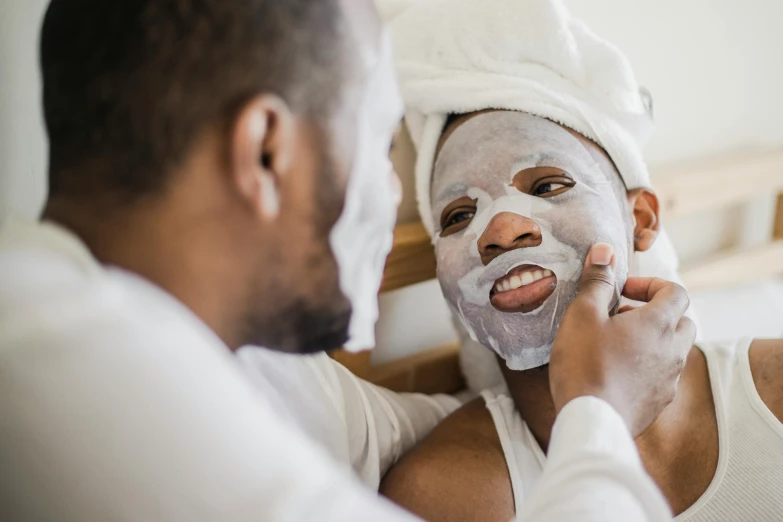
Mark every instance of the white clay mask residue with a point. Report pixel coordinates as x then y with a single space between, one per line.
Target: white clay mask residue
520 245
363 235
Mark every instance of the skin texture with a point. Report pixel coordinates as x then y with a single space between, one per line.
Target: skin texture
459 472
255 266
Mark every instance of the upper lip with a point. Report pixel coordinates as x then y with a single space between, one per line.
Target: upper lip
507 263
520 276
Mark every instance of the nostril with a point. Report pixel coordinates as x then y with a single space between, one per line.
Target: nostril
528 239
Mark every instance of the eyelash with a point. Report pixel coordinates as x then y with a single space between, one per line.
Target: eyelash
452 219
538 192
554 185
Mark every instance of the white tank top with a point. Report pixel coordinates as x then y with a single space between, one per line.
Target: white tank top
748 482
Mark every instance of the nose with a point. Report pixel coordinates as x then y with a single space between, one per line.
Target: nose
506 232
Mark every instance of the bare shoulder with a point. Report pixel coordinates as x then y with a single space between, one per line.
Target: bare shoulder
766 365
458 472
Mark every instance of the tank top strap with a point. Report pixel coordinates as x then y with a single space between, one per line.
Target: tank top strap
724 360
524 457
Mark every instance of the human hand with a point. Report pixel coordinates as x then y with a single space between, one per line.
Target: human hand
632 360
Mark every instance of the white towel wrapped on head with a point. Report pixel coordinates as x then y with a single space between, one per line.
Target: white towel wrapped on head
460 56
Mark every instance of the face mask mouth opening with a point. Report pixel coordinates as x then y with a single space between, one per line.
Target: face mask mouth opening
523 290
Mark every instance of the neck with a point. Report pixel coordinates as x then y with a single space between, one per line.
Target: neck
183 252
532 397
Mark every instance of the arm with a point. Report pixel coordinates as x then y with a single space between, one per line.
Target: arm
360 424
766 365
382 425
610 377
108 421
458 472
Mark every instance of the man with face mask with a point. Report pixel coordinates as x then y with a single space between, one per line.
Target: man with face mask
218 178
516 184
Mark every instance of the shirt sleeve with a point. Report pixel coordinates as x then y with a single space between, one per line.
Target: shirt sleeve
593 472
382 425
110 420
361 425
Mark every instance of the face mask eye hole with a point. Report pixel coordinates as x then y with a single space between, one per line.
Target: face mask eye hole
457 216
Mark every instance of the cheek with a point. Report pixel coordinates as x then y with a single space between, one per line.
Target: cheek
583 221
455 258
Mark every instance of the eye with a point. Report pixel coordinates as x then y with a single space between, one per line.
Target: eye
552 186
546 188
457 216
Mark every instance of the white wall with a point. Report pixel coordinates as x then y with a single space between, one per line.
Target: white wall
23 147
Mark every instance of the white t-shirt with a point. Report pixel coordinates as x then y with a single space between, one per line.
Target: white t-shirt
118 403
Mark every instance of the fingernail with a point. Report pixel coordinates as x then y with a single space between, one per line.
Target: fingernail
601 254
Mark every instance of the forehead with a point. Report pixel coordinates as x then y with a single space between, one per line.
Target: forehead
494 146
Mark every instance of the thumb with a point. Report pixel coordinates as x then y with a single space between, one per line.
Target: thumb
598 282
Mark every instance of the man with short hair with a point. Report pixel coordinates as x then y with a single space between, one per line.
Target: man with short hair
219 177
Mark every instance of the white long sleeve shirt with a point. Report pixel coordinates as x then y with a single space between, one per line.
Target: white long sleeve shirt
117 403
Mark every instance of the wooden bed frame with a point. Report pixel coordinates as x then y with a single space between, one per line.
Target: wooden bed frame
690 189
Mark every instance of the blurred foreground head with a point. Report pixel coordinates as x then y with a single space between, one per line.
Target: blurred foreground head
212 145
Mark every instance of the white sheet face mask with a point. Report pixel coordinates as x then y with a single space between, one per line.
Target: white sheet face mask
537 241
363 235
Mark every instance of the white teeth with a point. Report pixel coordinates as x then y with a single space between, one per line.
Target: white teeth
524 279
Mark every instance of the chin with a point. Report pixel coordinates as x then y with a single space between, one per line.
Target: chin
300 327
326 341
523 339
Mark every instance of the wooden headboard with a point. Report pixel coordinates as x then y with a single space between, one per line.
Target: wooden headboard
719 183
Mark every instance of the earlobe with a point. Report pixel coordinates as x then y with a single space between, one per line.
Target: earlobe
261 152
646 218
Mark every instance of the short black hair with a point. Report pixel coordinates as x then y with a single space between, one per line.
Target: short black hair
128 85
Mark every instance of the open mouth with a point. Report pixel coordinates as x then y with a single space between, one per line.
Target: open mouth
523 289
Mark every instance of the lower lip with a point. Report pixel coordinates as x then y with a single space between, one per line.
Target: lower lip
525 298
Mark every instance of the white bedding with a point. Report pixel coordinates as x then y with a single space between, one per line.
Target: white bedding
747 311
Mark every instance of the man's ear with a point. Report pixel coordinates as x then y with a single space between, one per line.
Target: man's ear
262 151
647 223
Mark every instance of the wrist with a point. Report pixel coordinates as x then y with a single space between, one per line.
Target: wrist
573 391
